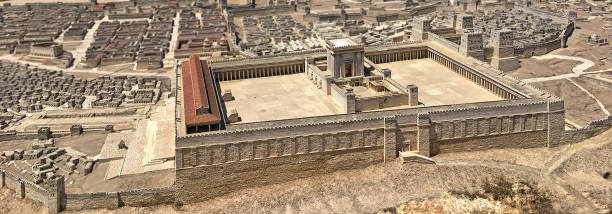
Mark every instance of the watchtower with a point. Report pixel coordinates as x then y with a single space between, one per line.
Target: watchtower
44 133
503 51
465 22
472 45
421 27
344 58
57 190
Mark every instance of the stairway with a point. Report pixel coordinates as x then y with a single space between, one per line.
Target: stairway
413 157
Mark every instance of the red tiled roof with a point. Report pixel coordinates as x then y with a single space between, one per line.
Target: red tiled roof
199 97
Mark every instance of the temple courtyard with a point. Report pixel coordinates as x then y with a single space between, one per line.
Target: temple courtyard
437 84
278 97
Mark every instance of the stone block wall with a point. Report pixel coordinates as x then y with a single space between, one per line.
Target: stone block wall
592 129
252 156
257 149
146 197
537 49
278 155
83 201
205 182
23 188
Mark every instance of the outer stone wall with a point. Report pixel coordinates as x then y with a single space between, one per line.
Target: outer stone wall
213 164
521 140
92 201
205 182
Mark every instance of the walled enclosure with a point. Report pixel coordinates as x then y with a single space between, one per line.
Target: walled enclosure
254 154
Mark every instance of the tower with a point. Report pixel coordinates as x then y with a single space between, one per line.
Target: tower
472 45
344 58
465 22
56 196
420 28
503 51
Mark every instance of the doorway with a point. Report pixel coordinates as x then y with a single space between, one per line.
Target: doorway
348 69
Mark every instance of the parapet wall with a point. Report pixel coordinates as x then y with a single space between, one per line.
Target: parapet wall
592 129
538 49
444 42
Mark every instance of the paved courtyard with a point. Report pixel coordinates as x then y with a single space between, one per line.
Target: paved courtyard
437 84
278 97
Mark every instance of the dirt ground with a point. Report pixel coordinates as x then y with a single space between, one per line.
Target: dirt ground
95 182
578 47
579 107
532 68
90 144
571 175
15 144
599 87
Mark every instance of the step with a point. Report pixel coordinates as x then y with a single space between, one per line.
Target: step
413 157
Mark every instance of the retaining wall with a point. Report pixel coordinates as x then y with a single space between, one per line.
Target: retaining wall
84 201
213 164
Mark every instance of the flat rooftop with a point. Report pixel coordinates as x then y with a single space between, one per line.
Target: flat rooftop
437 84
277 98
342 42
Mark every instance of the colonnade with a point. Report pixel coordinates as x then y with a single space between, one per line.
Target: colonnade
398 56
470 75
258 72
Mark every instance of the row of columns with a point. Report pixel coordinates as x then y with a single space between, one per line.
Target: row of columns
398 56
468 74
259 72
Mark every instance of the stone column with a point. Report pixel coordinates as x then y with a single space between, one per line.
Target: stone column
423 134
390 146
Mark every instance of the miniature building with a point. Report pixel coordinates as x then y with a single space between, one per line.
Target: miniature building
200 109
472 45
465 22
76 129
44 133
503 51
420 29
344 58
47 50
